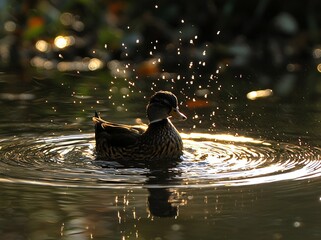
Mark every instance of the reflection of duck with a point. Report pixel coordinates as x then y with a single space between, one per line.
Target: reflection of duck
159 140
163 201
160 204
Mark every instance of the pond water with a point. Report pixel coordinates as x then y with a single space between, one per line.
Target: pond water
250 170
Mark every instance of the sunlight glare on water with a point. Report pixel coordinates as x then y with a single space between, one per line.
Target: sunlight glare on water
245 161
209 160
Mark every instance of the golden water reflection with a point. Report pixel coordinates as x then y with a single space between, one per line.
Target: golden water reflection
222 137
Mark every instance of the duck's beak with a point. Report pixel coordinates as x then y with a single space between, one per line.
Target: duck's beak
175 113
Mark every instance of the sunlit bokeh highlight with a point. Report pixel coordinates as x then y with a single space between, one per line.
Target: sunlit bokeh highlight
42 46
95 64
64 41
86 64
259 94
10 26
66 18
317 53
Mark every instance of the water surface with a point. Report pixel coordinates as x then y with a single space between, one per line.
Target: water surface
249 171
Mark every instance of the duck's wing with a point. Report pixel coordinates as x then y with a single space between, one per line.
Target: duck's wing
118 135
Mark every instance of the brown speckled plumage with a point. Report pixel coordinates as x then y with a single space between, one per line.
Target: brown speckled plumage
160 140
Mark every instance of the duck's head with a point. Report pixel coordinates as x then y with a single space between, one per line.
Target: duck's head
163 105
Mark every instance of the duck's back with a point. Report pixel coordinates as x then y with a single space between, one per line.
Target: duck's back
160 140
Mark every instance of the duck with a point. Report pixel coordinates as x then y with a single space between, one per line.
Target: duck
157 140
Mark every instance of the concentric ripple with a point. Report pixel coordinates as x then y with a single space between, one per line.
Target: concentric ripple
209 160
229 160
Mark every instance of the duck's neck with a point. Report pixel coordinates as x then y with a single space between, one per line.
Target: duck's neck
158 120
